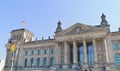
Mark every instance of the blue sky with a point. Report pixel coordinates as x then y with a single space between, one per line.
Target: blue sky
41 16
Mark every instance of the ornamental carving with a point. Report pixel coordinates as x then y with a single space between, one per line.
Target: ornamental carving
78 30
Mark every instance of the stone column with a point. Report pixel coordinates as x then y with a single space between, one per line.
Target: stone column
75 54
95 52
56 55
66 56
85 53
65 53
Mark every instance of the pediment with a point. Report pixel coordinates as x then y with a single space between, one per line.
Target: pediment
79 28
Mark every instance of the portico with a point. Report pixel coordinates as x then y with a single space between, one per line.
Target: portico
83 52
79 44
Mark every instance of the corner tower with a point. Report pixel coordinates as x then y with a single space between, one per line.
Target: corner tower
21 36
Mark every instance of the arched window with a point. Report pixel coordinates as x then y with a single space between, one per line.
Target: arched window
45 61
32 61
38 62
25 62
117 59
52 61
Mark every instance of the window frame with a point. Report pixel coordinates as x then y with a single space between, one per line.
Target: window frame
117 59
45 51
116 46
32 52
38 62
38 52
32 61
26 52
52 51
52 61
25 62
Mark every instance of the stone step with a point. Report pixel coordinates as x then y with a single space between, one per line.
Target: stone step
66 70
97 70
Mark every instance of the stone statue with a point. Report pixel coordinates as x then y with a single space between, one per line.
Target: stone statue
103 20
58 29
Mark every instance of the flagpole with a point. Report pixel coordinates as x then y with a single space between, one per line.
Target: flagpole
23 23
12 61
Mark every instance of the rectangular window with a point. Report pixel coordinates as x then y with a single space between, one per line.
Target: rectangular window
32 52
52 51
117 59
45 51
116 46
26 52
38 52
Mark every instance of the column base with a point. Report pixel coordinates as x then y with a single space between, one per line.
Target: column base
57 66
85 66
74 66
95 65
65 66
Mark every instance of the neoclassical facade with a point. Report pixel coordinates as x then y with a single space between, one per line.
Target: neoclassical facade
80 46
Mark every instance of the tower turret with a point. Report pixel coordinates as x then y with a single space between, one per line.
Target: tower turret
21 36
104 23
58 29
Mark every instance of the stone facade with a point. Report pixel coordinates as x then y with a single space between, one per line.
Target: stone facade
2 63
80 46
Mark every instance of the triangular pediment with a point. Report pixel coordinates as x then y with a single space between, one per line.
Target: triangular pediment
79 28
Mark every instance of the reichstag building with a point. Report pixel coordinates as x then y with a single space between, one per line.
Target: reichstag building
79 47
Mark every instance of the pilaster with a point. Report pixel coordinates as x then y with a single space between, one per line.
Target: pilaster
106 51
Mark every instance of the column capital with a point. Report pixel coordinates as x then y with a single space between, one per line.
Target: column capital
93 38
84 41
74 41
65 41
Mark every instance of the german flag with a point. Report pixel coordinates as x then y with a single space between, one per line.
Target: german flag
13 47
